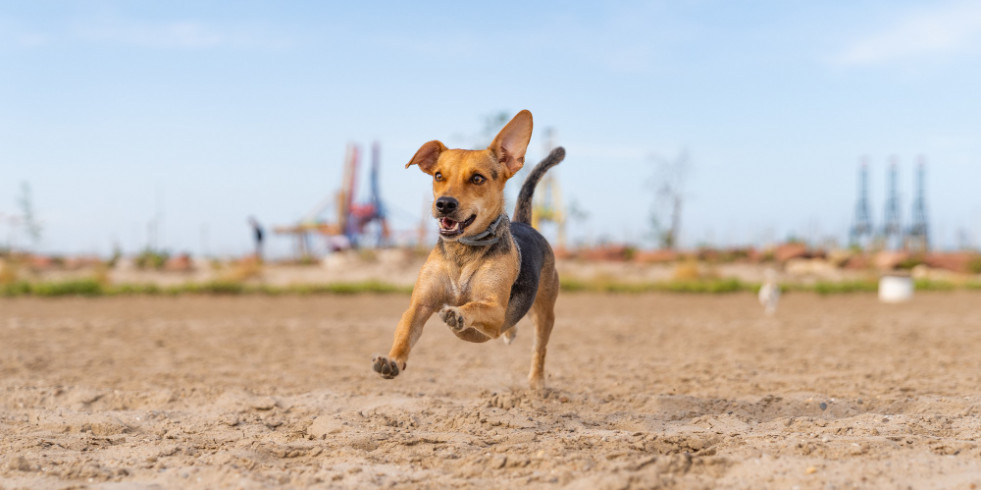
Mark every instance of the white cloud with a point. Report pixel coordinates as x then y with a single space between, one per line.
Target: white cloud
181 34
629 37
612 151
951 29
186 34
622 37
15 35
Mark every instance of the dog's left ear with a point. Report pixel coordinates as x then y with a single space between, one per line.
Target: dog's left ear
510 144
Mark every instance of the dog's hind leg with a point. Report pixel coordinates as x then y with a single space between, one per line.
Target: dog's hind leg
543 315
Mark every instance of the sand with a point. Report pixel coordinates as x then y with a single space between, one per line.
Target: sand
645 391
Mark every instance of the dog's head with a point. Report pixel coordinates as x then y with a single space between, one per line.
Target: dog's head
468 185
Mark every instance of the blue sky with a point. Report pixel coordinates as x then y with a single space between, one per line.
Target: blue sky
214 111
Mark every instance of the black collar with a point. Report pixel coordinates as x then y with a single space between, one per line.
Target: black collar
486 237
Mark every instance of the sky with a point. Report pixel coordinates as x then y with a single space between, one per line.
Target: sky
200 114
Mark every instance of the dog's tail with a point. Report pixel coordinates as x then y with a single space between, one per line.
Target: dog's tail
522 210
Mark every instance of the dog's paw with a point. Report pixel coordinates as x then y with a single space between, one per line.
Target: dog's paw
510 335
537 383
387 368
453 317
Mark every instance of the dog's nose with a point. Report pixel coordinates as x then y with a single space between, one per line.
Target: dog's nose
446 205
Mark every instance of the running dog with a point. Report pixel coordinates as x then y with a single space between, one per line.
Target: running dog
486 271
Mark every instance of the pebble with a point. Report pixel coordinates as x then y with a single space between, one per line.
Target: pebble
19 463
263 403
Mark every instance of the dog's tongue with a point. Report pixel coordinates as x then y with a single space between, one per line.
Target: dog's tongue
447 224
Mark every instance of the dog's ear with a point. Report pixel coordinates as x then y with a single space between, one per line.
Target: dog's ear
510 144
427 155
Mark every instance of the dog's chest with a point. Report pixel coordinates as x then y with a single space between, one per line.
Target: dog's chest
460 281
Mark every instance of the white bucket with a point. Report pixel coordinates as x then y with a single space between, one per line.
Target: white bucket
895 289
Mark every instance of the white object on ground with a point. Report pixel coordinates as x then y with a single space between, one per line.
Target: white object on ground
769 293
895 289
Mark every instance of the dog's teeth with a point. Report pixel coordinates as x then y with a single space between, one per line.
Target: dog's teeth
448 224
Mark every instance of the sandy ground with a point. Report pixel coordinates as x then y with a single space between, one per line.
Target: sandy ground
644 391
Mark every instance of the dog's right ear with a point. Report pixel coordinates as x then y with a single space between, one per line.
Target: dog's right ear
427 155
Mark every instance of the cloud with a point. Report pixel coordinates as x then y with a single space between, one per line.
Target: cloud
620 37
186 34
612 151
14 35
629 37
952 29
180 34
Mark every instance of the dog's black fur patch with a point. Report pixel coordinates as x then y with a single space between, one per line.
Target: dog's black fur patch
533 247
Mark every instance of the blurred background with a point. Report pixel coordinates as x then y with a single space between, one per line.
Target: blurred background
184 128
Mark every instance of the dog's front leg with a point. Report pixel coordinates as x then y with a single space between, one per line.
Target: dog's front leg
485 316
481 317
406 335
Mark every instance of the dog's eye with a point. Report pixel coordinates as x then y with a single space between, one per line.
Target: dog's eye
438 176
477 179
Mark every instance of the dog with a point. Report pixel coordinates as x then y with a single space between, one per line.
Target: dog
486 271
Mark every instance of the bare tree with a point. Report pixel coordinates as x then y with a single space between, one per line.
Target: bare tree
492 125
577 212
668 184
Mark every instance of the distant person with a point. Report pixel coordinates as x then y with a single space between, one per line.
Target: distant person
257 232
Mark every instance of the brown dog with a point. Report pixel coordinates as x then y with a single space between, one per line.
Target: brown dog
485 273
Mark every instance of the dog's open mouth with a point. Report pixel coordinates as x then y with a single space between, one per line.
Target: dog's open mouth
450 228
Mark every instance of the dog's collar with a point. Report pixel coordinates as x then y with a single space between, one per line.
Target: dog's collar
486 237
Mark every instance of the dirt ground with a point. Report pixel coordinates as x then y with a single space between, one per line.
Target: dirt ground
644 391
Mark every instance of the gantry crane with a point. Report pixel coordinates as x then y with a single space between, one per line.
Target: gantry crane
352 218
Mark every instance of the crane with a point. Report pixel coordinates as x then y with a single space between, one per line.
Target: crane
352 218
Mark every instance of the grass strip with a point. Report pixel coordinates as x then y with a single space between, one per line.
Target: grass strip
94 288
